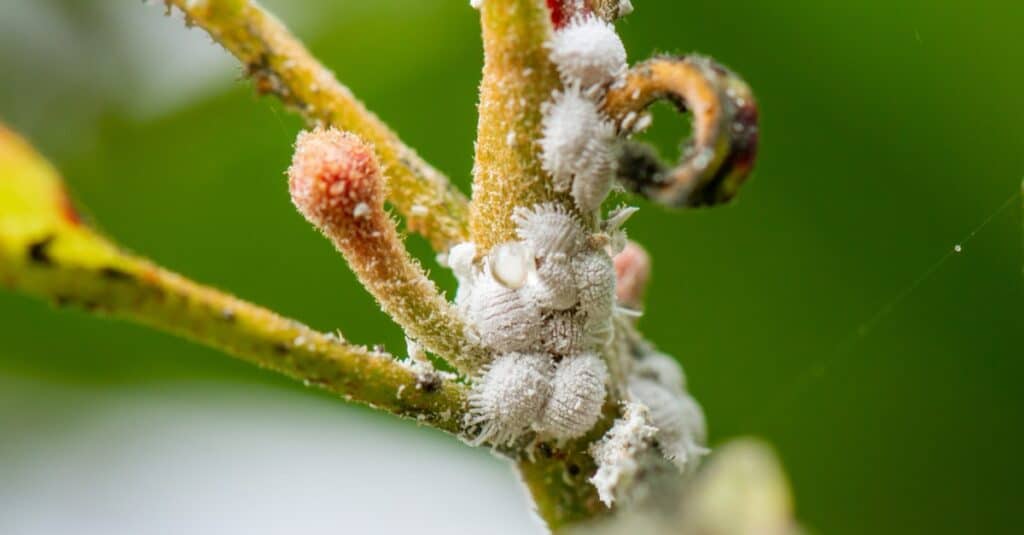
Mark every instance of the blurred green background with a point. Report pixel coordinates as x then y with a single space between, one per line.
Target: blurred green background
825 310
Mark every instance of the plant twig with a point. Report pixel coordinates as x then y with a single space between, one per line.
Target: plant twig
336 183
279 64
518 78
45 251
558 477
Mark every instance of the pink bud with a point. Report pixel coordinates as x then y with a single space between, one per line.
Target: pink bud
335 182
632 271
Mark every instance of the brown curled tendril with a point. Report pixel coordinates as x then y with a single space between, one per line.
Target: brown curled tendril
718 157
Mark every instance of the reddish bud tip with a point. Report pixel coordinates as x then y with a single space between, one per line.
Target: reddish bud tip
335 180
632 271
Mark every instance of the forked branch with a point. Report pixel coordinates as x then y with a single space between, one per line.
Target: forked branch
281 65
45 251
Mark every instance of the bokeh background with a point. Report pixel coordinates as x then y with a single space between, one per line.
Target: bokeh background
826 311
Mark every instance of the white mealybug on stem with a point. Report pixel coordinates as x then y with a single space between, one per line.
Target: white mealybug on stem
549 228
679 419
562 333
555 236
554 286
504 319
510 395
577 395
578 148
662 369
618 451
595 279
588 52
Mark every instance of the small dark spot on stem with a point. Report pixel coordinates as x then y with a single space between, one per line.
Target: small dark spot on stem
545 450
574 469
38 251
227 315
280 349
113 273
428 382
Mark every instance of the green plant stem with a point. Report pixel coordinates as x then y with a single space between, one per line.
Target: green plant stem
45 251
280 64
518 79
558 478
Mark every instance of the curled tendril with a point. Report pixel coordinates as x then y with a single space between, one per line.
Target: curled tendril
718 157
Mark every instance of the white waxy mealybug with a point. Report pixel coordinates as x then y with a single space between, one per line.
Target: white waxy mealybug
510 395
588 52
679 419
617 453
590 190
662 369
554 286
549 228
578 148
504 320
562 333
577 395
595 279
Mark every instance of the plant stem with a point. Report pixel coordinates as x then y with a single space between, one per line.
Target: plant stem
279 64
45 251
518 79
336 183
558 478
